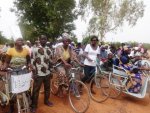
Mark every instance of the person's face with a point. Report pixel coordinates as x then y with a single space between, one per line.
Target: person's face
103 49
106 47
128 51
19 42
110 56
43 40
66 42
29 44
94 41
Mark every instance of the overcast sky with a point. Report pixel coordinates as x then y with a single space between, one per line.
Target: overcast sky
139 33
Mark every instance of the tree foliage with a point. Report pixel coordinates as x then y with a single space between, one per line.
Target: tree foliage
109 15
49 17
3 40
86 40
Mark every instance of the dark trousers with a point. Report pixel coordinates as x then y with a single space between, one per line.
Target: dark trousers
36 88
89 72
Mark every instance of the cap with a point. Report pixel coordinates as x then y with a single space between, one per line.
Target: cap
136 48
28 41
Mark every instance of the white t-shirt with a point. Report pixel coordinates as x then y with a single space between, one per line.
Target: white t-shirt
133 54
92 54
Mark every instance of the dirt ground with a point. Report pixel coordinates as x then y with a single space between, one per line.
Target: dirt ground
125 104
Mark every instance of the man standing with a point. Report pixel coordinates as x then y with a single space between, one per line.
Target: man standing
41 61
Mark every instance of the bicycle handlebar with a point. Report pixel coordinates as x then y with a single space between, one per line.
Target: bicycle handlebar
57 65
14 70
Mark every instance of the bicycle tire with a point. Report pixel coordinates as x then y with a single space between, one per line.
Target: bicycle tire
101 87
79 104
22 103
116 90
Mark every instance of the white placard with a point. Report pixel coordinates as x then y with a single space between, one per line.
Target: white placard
20 83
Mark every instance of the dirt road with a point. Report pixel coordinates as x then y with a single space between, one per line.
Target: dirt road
125 104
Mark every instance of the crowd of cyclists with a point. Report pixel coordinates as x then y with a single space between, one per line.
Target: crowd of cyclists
40 56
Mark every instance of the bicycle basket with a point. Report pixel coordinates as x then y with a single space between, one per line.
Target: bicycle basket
20 83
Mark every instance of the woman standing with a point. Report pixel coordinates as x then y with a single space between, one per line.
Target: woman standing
16 58
91 53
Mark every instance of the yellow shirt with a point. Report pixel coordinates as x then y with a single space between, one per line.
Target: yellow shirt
66 54
18 59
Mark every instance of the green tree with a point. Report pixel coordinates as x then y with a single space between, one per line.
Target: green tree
110 15
3 40
86 40
50 17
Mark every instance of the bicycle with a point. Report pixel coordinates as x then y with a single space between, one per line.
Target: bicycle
79 101
99 84
4 97
17 84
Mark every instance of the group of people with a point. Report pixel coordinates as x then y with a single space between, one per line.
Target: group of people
40 57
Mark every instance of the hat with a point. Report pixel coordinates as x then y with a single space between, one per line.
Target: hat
66 35
28 41
140 45
136 48
125 47
59 38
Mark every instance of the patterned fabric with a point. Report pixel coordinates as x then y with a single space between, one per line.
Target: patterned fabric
136 79
18 59
137 84
60 53
41 60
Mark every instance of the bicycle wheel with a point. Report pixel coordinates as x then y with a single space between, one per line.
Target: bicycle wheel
99 88
79 101
22 103
116 89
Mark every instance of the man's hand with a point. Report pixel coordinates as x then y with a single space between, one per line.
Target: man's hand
30 67
82 65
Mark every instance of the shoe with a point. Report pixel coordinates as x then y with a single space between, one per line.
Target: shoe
50 104
33 110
